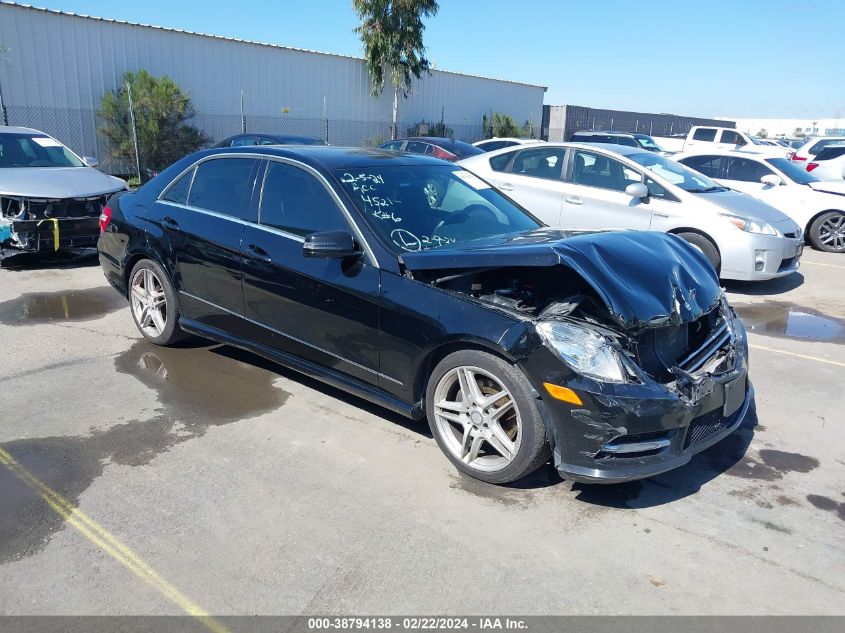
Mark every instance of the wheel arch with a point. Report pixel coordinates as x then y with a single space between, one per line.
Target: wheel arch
689 229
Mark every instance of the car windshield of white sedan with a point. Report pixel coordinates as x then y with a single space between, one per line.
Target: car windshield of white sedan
27 150
676 173
792 171
648 143
419 207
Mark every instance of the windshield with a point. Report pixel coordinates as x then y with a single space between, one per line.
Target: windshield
792 171
756 140
648 143
677 174
28 150
419 207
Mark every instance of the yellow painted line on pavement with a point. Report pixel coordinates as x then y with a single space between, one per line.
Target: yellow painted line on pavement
109 543
797 355
820 264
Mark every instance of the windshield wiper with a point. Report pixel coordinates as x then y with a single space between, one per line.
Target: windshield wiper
707 189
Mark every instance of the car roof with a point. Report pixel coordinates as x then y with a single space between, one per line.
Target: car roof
623 150
332 157
774 152
10 129
608 132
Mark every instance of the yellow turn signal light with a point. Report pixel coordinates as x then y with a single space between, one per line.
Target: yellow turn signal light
563 393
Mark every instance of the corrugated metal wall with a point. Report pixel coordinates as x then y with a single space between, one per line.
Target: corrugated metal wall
61 64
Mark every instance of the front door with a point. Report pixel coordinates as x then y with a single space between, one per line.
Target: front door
594 194
323 310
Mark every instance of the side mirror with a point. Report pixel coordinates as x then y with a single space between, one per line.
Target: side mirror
637 190
330 245
90 161
770 180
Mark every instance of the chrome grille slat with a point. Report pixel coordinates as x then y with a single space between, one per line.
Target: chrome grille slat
706 350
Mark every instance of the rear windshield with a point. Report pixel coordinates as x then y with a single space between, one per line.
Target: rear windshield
829 153
648 143
34 150
792 171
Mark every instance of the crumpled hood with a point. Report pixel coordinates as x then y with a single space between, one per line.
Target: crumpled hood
645 278
57 182
829 186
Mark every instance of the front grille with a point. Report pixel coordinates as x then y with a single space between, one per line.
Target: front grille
706 426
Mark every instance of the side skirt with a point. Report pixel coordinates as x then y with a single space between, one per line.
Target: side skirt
318 372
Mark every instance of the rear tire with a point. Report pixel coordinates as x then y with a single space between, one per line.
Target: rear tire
827 232
153 303
705 246
484 418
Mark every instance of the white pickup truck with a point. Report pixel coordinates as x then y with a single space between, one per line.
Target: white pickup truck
706 138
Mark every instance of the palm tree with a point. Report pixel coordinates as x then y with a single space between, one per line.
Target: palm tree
391 31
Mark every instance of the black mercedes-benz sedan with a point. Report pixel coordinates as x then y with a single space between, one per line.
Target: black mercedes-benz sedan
613 353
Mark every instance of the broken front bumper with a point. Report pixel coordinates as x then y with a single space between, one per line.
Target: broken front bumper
52 234
623 432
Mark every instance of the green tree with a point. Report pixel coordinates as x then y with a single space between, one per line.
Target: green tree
504 125
423 128
161 110
762 133
798 133
391 31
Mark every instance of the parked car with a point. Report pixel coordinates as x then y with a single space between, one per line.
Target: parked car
248 140
444 148
813 145
616 353
817 207
50 198
578 186
632 139
829 164
708 137
488 145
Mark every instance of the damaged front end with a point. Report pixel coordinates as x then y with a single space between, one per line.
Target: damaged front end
31 224
634 327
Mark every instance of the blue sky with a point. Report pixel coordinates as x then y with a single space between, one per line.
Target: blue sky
742 58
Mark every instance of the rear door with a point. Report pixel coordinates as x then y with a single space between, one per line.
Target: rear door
594 194
534 181
322 310
197 227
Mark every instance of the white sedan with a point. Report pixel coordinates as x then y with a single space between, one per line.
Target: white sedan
817 206
489 144
598 186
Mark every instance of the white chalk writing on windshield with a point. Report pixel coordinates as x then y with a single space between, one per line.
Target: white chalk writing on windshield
366 186
407 241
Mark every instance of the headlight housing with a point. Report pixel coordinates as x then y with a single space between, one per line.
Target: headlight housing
585 351
751 225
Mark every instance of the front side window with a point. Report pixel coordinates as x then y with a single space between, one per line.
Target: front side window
28 150
395 201
597 170
296 202
708 165
747 170
539 163
707 134
675 173
223 185
732 138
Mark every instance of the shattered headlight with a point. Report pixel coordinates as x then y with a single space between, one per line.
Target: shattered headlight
584 350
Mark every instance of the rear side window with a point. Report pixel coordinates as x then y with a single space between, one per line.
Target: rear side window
539 163
747 170
223 185
707 134
295 201
178 191
707 165
829 153
416 147
500 162
395 145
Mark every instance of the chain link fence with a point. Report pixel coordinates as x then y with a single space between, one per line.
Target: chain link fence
82 131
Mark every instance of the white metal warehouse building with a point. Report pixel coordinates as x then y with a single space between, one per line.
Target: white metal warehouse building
57 66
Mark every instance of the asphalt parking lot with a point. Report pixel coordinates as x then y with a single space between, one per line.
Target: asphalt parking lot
143 480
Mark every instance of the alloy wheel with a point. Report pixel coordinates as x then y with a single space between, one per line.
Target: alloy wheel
832 232
432 194
149 302
477 418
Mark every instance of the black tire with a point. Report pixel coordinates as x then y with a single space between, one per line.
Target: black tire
171 333
826 221
706 246
533 448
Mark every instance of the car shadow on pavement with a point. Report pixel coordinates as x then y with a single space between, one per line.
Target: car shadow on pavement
777 286
679 483
79 258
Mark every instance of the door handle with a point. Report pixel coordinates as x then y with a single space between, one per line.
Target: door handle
170 223
256 252
573 200
506 186
661 215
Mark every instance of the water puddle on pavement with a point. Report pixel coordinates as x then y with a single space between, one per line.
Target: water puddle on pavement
67 305
786 320
197 388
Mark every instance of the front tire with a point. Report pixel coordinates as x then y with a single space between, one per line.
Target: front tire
705 246
484 418
827 232
152 300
